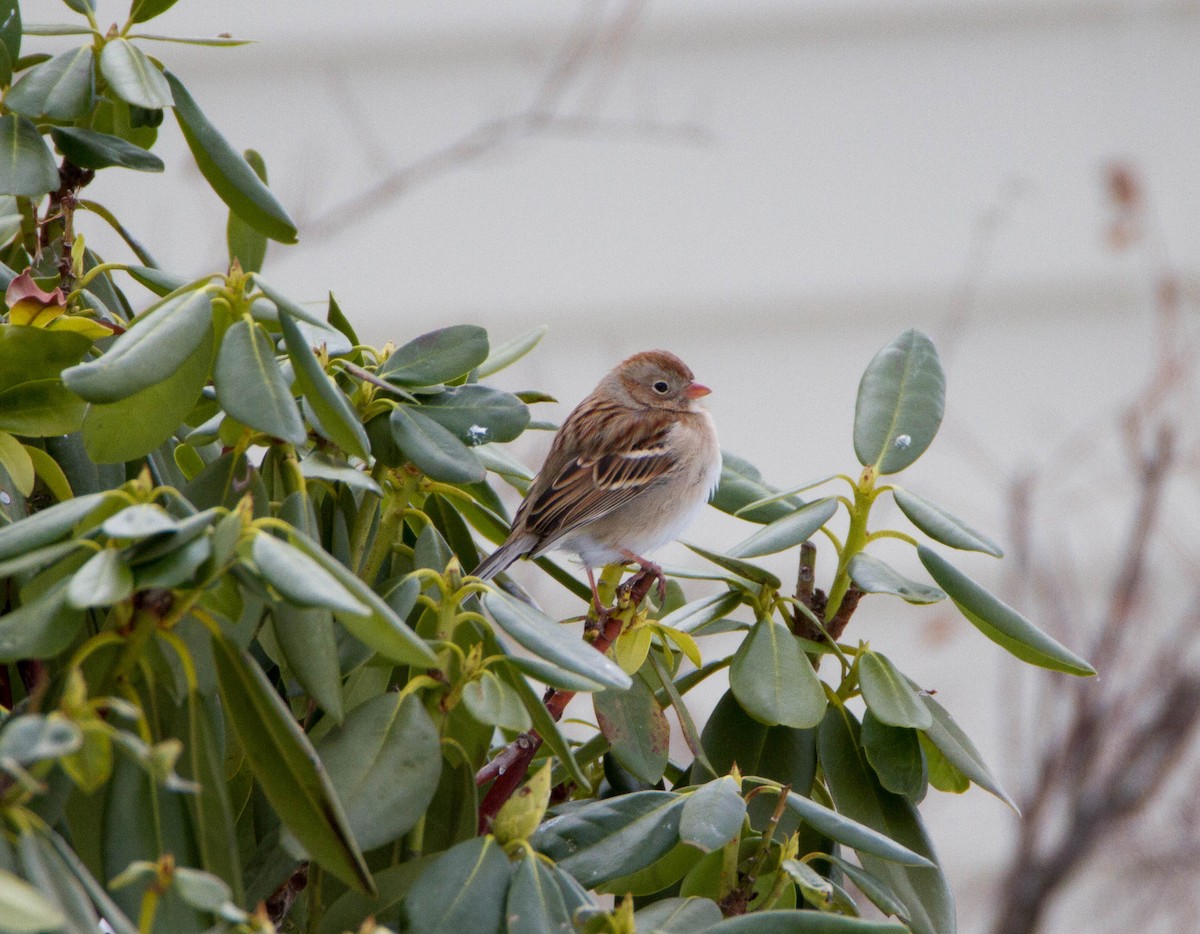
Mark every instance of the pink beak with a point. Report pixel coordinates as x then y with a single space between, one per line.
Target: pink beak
696 390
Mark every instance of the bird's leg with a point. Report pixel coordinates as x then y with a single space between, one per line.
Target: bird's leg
649 567
595 592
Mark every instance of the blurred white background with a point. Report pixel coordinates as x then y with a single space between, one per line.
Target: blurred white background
771 188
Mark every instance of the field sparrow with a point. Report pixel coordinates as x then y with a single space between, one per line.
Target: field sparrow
628 470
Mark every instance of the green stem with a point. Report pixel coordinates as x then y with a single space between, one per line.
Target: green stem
856 539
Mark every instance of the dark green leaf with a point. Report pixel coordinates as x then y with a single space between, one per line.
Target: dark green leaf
91 150
773 679
63 88
247 245
203 762
26 164
160 341
1000 622
492 701
40 409
636 729
894 753
251 387
10 28
535 903
46 871
612 837
437 357
463 890
28 353
712 815
803 922
924 891
550 640
230 176
511 351
132 76
957 747
888 694
788 531
741 568
900 402
159 282
944 775
104 579
384 761
434 450
41 628
941 526
309 646
47 526
699 613
478 414
741 484
136 425
879 894
287 767
871 575
301 579
543 723
678 916
143 10
853 833
338 420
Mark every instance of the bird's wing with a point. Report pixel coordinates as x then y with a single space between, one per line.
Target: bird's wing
592 485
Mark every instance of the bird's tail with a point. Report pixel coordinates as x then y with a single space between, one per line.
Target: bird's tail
502 557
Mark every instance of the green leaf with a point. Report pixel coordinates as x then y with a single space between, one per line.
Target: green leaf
612 837
492 701
535 903
511 351
901 399
788 531
160 341
133 77
104 580
81 6
29 738
247 245
773 679
678 916
944 775
699 613
750 572
63 88
741 484
888 694
1000 622
463 890
27 166
136 425
871 575
880 895
338 420
89 149
301 579
803 922
25 910
636 729
478 414
437 357
143 10
286 766
47 526
212 811
384 761
29 353
45 870
894 753
941 526
309 646
142 520
434 450
40 409
949 738
14 458
251 387
41 628
551 641
230 176
543 723
382 630
847 830
10 27
858 795
712 815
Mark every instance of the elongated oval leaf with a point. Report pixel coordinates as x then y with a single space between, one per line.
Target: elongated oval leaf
712 815
26 165
773 679
63 88
434 450
158 344
751 572
803 922
300 579
894 752
230 176
338 420
251 387
612 837
384 762
133 77
549 640
699 613
871 575
742 484
511 351
678 916
888 693
535 903
1000 622
437 357
287 767
941 526
636 729
901 399
104 580
463 890
309 645
923 890
92 150
788 531
10 27
24 909
478 414
957 747
545 725
845 829
47 526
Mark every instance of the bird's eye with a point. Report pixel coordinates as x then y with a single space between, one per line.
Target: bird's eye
661 387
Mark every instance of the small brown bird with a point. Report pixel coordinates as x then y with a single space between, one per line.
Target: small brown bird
629 469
